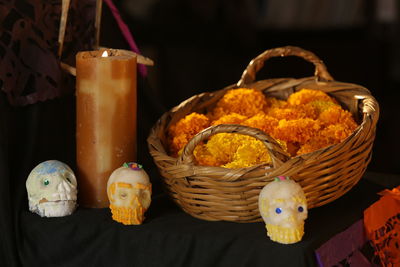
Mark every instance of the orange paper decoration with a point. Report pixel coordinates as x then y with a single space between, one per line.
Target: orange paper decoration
382 226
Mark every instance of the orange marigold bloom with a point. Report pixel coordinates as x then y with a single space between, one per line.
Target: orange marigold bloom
336 133
176 143
232 118
243 101
293 113
307 121
337 115
184 130
332 134
320 106
312 145
263 122
300 130
305 96
273 102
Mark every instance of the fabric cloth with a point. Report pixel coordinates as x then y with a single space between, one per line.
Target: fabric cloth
170 237
29 66
344 248
42 131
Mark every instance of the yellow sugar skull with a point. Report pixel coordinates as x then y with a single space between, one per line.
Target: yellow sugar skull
129 192
283 207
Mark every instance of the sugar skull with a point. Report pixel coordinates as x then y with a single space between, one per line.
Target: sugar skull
283 207
52 189
129 192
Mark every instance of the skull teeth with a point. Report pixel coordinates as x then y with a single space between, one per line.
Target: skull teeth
63 196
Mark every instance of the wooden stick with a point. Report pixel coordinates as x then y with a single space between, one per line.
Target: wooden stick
97 23
63 25
144 60
71 70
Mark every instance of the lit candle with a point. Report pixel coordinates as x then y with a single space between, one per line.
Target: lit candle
106 120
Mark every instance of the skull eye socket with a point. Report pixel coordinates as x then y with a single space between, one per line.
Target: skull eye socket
68 178
278 210
300 209
46 182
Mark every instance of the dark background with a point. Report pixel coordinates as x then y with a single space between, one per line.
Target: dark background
202 46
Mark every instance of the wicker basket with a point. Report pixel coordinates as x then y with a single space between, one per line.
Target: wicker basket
216 193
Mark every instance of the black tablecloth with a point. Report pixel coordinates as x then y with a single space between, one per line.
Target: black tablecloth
170 237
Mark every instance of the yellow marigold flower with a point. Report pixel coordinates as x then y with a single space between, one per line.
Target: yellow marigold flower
243 101
204 157
250 153
184 130
263 122
305 96
300 130
232 118
224 145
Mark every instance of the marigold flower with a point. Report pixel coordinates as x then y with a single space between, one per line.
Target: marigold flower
307 121
224 145
332 134
312 145
336 133
243 101
337 115
300 130
232 118
204 157
320 106
263 122
250 153
184 130
305 96
273 102
293 113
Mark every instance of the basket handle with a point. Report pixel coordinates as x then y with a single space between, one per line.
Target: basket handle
249 74
278 156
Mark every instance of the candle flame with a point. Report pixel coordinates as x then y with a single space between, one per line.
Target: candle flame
105 54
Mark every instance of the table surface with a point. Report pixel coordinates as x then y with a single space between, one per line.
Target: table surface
170 237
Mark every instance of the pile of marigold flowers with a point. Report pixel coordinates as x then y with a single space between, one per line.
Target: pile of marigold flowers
308 120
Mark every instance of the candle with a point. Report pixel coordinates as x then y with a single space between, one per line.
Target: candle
105 120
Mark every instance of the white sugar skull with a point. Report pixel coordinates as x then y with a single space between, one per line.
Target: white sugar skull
129 192
283 207
52 189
